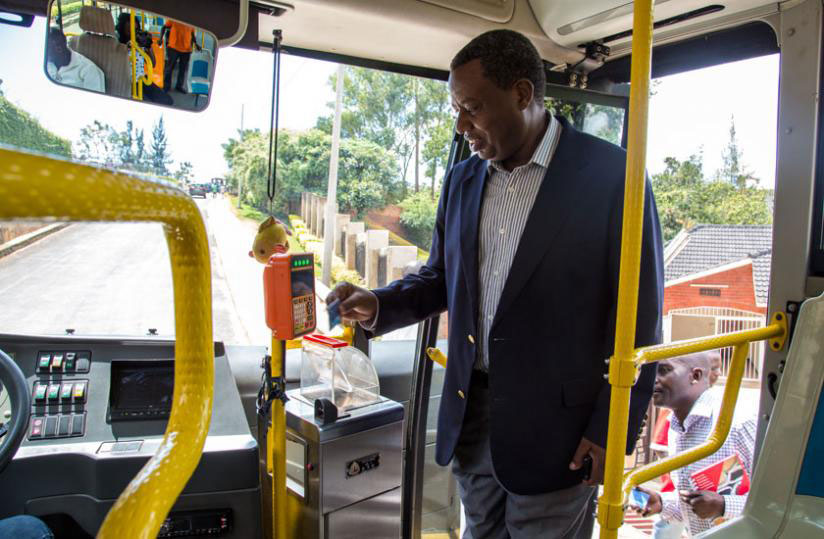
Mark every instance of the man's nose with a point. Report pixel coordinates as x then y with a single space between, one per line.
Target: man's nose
462 124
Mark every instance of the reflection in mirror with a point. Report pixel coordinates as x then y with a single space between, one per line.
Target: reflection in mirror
129 53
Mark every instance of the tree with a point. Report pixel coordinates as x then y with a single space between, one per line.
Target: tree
99 144
159 156
397 112
141 157
183 172
418 218
18 128
732 169
685 198
367 173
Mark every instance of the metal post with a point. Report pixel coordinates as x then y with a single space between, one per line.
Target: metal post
331 192
277 445
622 368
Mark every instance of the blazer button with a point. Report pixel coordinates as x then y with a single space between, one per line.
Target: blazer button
461 394
471 339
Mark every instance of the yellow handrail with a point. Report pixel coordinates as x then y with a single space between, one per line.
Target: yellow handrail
715 440
437 356
34 187
622 369
148 68
741 340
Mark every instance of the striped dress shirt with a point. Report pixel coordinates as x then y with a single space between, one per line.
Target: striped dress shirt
695 430
508 200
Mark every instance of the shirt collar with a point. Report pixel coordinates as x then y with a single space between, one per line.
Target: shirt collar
543 153
704 407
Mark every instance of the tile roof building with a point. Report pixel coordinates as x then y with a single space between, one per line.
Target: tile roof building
719 265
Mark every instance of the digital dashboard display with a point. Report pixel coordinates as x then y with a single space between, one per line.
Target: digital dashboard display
141 390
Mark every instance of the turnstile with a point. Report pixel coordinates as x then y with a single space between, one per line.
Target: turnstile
344 477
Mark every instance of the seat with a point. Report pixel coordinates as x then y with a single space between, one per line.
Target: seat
199 78
99 44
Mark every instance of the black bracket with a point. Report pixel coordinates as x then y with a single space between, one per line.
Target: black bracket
271 388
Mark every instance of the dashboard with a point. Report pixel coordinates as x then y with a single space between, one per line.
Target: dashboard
99 411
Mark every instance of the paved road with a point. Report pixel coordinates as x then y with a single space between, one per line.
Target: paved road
101 279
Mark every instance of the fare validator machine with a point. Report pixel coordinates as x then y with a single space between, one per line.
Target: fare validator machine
343 440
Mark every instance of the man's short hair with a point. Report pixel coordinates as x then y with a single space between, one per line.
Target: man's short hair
506 57
57 34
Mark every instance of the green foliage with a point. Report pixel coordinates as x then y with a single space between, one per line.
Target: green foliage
159 156
599 120
367 174
183 172
685 198
399 113
418 218
18 128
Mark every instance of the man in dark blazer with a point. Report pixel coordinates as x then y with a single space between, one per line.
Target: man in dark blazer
525 257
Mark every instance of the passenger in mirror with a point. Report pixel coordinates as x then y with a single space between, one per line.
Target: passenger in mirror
181 38
151 92
69 67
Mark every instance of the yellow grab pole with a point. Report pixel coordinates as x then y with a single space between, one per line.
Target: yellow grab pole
33 187
715 440
622 368
277 445
133 55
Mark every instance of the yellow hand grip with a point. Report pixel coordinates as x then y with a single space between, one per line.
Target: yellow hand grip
437 356
38 188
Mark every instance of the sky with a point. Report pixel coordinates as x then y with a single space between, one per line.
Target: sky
689 113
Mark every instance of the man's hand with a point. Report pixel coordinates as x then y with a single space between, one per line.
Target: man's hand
654 505
356 303
704 503
597 454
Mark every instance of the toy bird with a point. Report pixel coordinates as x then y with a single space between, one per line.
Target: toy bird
270 239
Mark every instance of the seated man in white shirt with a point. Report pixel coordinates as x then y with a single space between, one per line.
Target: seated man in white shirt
69 67
683 385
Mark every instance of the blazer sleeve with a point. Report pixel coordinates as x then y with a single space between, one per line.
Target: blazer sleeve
648 321
419 295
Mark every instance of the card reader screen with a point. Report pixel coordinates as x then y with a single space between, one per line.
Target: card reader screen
141 389
303 283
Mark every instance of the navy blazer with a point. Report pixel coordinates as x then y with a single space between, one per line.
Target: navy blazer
555 323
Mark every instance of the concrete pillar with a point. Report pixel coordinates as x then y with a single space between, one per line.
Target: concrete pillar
375 241
320 210
397 258
310 213
352 231
341 220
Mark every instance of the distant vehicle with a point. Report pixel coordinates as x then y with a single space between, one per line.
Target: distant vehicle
199 189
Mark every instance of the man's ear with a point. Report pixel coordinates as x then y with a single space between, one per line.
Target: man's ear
697 374
525 92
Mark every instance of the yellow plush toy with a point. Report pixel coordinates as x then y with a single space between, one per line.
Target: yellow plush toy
270 239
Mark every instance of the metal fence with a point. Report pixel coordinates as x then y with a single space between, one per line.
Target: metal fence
728 320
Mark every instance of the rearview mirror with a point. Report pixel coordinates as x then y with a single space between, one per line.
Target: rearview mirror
129 53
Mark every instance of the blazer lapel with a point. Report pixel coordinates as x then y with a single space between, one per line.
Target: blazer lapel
471 196
557 195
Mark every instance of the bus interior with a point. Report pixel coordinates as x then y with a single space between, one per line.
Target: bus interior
85 411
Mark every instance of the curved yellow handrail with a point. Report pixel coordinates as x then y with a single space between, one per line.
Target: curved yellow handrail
34 187
776 332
